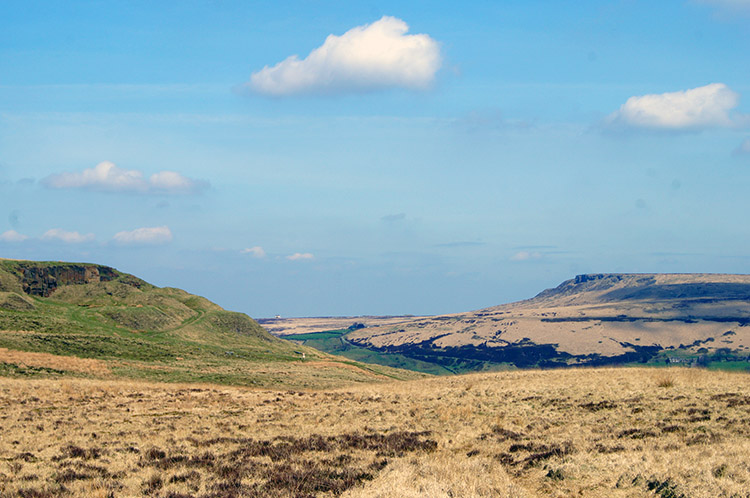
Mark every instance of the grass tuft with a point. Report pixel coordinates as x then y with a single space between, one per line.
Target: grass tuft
665 381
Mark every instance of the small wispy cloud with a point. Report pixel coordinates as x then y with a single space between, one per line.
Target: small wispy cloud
462 243
743 149
365 58
12 236
390 218
255 251
68 237
709 106
300 256
144 236
489 119
729 6
545 248
526 256
108 177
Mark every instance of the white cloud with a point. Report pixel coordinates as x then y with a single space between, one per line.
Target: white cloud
67 237
526 256
146 235
173 182
12 236
107 176
698 108
365 58
300 256
255 251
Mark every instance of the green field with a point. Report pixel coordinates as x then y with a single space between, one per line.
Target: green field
334 342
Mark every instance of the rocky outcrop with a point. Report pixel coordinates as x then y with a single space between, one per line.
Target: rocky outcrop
42 279
615 287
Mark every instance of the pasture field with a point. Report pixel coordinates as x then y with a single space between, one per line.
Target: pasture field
623 432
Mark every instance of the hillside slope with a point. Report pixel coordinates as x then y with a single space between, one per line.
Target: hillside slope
589 320
85 319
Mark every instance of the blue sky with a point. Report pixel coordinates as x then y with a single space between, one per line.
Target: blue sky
424 158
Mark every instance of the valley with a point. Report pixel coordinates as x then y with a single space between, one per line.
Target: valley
110 386
591 320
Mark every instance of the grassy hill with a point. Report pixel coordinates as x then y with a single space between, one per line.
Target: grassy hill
91 320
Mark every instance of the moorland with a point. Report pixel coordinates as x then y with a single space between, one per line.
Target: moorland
625 432
110 386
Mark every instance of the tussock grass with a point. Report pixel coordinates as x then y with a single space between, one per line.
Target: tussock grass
665 380
597 433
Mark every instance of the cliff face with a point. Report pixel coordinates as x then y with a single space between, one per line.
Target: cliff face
584 283
42 279
39 281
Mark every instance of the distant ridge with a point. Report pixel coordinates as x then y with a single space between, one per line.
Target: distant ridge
603 287
591 319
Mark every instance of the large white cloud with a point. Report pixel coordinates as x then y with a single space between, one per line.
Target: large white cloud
694 109
67 237
107 176
370 57
144 236
12 236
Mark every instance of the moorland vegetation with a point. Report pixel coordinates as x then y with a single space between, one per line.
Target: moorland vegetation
625 432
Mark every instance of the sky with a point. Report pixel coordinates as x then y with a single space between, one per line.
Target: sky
312 158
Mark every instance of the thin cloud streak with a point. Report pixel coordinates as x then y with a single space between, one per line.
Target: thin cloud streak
58 234
12 236
108 177
144 236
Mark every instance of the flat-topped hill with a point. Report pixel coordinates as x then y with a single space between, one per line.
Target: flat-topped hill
613 287
589 320
84 319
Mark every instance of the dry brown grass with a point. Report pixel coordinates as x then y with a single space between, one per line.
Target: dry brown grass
598 433
56 362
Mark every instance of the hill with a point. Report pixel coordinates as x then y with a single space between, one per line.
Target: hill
91 320
598 319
